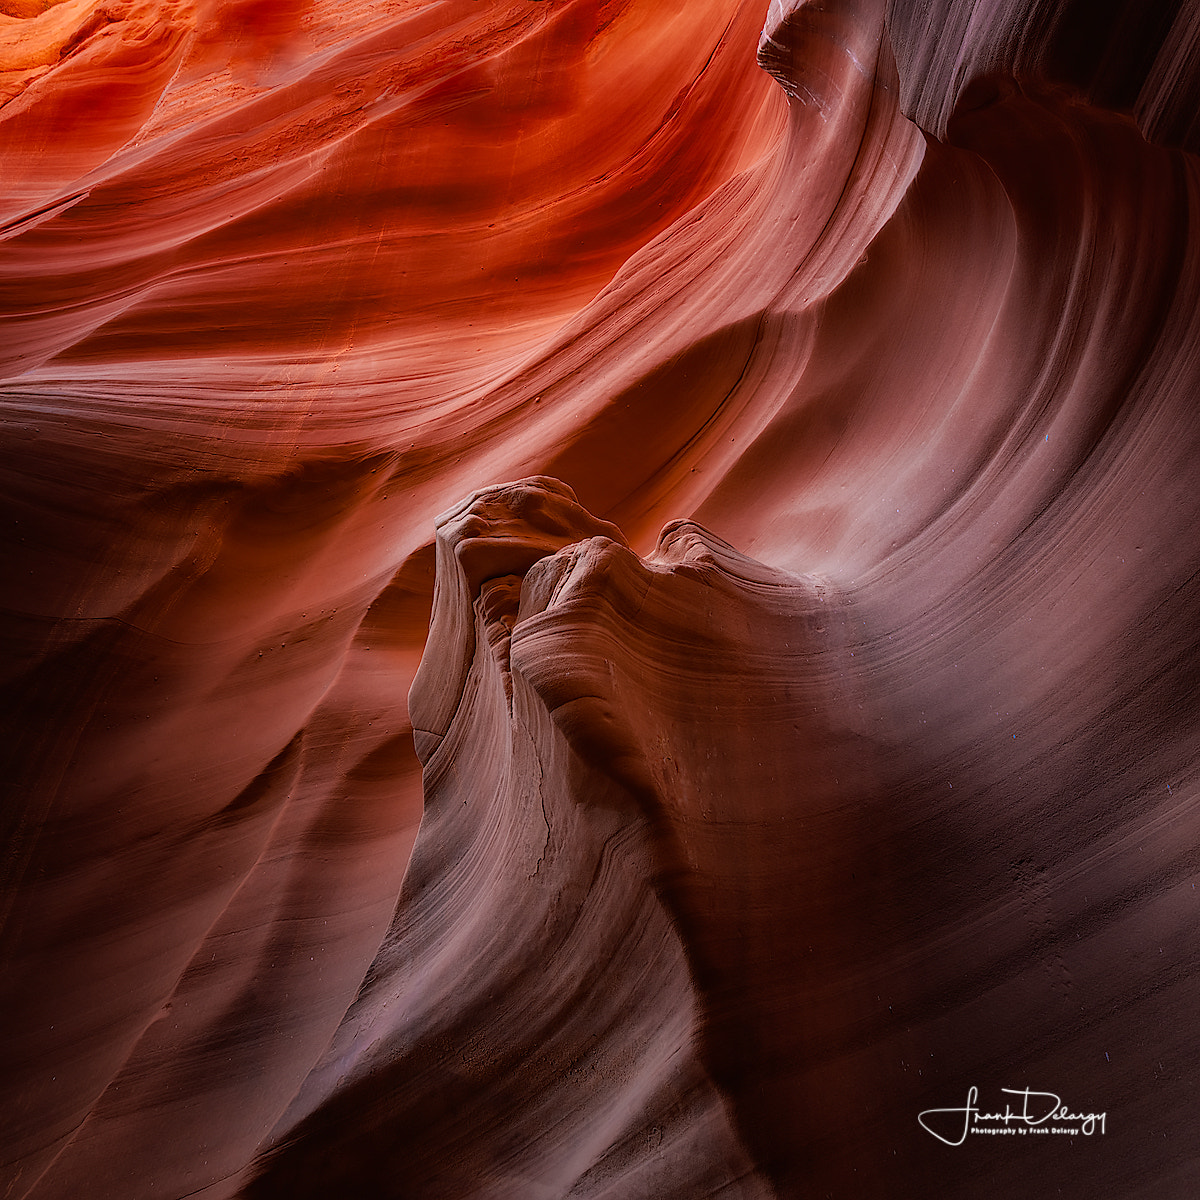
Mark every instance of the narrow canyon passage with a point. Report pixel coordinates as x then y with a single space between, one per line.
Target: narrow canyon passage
599 598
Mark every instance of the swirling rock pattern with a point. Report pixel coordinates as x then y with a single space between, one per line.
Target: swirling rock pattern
870 779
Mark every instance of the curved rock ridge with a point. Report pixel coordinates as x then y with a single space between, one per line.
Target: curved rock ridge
872 778
873 905
529 1027
248 359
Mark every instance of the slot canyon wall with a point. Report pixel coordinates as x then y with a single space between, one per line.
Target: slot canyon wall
601 598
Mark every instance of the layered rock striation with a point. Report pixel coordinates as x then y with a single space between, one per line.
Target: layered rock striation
808 738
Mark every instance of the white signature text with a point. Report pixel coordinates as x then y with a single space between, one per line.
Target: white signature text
1029 1112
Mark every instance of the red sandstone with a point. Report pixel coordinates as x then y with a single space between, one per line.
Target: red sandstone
808 736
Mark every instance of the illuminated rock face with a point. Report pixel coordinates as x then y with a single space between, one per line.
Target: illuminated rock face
872 779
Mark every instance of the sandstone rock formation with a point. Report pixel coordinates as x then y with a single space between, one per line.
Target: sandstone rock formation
798 700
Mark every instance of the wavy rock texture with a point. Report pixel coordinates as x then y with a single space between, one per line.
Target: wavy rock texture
872 778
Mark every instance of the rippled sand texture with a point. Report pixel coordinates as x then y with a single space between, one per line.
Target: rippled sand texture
870 778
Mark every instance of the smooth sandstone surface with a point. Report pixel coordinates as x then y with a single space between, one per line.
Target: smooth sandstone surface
600 597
